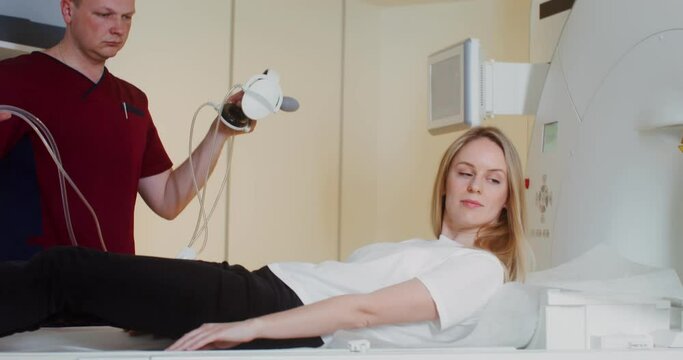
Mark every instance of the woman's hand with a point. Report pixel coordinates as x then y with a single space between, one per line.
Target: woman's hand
216 336
409 301
5 115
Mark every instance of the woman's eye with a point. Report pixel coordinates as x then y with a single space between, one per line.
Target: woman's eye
466 174
495 181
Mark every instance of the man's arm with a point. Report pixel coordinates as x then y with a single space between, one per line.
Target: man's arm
169 192
409 301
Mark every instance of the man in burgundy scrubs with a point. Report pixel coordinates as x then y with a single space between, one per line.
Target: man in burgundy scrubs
105 135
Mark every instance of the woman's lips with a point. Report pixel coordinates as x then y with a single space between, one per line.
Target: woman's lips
471 203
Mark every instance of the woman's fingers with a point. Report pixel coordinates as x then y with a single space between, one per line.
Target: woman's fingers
186 342
208 336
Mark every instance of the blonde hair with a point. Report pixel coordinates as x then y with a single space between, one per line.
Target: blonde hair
505 238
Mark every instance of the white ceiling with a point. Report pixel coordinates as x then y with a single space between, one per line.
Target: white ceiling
409 2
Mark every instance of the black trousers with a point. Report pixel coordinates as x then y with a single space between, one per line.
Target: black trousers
165 297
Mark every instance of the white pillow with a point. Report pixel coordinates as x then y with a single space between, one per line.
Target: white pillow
509 319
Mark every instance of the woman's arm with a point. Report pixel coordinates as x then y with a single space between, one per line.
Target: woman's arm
406 302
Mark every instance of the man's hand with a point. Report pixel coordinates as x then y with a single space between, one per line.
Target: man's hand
5 115
232 132
236 99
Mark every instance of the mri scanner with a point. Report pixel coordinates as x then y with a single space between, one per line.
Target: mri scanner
605 212
604 162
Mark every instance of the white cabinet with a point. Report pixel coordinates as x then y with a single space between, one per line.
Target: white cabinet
9 49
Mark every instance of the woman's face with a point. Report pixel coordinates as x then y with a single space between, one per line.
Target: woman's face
476 187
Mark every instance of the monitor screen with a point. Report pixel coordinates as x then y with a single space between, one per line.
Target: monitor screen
454 86
445 87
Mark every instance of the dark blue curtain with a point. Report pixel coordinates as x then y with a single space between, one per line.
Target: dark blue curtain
20 215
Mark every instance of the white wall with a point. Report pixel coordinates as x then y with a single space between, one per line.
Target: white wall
285 177
390 158
355 164
360 128
179 54
283 197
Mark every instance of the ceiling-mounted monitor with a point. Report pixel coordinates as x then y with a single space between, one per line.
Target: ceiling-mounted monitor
455 86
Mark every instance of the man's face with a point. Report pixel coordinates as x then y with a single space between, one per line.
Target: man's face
99 28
